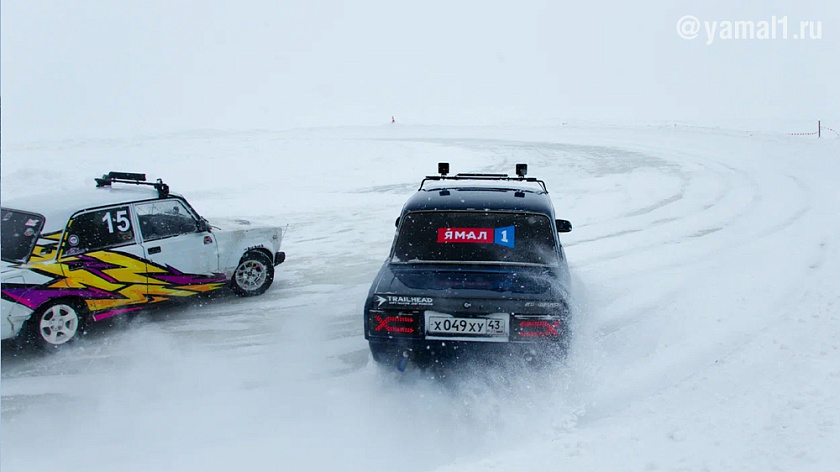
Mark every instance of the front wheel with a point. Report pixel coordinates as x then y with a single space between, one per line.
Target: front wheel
56 324
253 275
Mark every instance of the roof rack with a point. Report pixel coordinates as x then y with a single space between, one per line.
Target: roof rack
132 178
521 171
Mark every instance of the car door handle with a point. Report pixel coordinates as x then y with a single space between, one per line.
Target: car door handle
154 250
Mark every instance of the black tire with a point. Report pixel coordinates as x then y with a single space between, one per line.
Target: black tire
388 355
253 275
424 361
56 324
381 353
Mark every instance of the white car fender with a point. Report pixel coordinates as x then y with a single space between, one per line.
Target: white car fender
236 237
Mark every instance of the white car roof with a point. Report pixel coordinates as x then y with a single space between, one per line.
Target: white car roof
58 207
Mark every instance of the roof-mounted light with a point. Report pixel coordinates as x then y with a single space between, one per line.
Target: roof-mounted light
132 178
521 172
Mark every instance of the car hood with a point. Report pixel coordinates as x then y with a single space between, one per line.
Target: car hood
487 282
237 224
236 229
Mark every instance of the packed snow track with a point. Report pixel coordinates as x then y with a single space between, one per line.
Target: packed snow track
707 302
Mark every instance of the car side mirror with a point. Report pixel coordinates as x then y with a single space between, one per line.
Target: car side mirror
563 226
203 225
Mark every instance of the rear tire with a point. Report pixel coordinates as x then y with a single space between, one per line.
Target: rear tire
56 324
392 356
380 353
253 275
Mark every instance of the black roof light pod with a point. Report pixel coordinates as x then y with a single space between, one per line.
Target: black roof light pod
132 178
521 172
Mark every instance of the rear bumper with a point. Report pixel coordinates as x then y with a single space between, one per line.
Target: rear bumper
279 258
413 327
427 350
12 318
401 343
423 352
7 330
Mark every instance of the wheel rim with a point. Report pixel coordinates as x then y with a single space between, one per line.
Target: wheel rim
250 275
59 324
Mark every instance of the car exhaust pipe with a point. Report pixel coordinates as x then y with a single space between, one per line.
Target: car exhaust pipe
403 361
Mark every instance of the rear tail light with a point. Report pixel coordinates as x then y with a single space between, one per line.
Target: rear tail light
531 328
394 323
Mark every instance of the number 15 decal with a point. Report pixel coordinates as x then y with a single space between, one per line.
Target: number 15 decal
123 223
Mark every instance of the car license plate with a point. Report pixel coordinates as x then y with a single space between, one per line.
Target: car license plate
466 326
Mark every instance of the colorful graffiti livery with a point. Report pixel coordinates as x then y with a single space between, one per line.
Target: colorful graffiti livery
108 251
109 282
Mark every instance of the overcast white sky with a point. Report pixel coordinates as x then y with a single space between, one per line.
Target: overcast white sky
112 67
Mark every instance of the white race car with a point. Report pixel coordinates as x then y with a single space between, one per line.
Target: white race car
72 258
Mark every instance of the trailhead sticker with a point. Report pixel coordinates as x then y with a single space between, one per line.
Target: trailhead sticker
403 301
502 236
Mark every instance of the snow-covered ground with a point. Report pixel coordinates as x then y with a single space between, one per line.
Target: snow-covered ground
708 337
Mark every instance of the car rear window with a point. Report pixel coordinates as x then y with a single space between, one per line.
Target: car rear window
474 236
20 231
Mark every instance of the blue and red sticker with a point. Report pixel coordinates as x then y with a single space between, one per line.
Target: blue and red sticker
505 236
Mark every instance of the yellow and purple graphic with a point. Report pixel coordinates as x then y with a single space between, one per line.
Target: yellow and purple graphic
109 282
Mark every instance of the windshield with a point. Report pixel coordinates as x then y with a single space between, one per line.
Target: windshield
473 236
19 232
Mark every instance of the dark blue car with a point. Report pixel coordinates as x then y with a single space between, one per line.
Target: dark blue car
476 267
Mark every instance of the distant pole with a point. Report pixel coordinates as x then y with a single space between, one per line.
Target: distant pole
392 119
819 128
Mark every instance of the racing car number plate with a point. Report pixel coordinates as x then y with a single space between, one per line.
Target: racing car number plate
467 326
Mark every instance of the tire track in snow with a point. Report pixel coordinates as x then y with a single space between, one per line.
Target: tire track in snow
739 196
